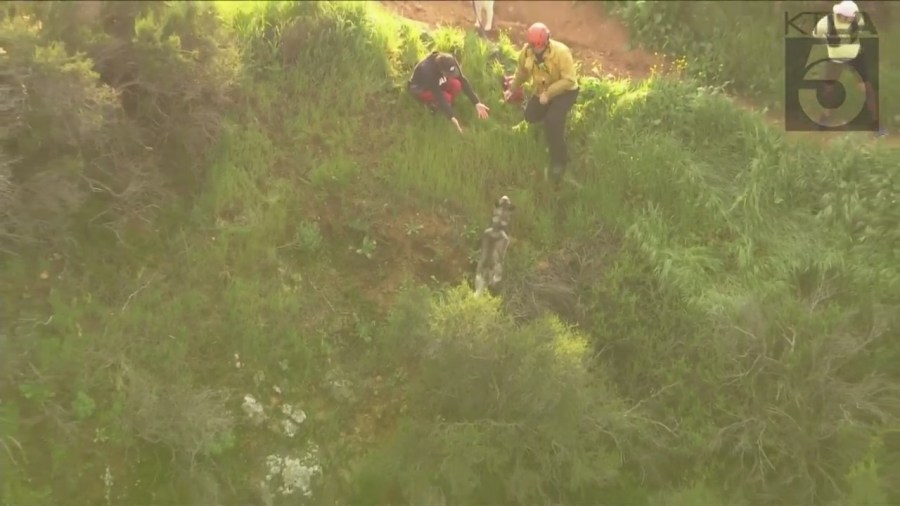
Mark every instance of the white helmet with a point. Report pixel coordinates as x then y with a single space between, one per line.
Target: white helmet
847 8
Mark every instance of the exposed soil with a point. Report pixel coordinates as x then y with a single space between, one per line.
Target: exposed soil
596 39
420 244
410 245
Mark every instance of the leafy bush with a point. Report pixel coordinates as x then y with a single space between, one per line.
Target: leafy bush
500 413
118 101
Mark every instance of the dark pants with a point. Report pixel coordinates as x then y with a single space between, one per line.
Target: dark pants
554 115
833 71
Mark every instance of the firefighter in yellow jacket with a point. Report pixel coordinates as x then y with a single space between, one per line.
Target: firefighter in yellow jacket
551 68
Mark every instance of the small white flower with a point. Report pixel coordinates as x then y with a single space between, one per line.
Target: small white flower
107 484
100 435
259 377
277 390
290 428
254 409
298 416
296 474
273 464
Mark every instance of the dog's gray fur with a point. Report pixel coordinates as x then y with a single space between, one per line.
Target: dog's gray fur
494 243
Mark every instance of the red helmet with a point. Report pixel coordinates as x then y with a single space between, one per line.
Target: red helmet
538 35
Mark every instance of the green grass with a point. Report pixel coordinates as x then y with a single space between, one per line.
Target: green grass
724 283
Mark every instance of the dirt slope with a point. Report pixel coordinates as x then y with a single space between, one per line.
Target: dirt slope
599 41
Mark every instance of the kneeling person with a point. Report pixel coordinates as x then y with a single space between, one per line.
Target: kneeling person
437 81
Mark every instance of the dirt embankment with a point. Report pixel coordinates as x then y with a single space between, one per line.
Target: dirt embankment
595 38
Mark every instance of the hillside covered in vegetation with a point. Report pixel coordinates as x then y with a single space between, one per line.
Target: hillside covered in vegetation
236 267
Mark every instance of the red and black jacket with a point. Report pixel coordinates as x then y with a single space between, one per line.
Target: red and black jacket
428 76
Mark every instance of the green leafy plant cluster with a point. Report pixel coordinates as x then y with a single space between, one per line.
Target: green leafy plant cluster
112 108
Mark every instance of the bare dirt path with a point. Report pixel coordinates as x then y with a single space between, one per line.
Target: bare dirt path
598 40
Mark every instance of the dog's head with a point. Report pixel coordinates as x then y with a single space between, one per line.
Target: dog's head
504 203
502 209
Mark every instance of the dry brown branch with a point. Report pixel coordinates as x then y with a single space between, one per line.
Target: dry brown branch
668 429
188 420
134 293
654 395
10 453
557 285
794 399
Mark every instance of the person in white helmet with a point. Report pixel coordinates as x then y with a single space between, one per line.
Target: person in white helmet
840 30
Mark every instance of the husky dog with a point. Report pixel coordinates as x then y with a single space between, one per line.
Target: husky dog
494 242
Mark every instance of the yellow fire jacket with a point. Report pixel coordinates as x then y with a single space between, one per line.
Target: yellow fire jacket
555 75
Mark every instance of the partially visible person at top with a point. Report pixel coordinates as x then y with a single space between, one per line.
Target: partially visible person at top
549 65
484 15
438 80
840 30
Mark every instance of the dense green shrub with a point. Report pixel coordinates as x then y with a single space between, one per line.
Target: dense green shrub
118 101
500 414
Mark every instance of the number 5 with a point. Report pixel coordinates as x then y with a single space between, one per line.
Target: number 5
815 76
